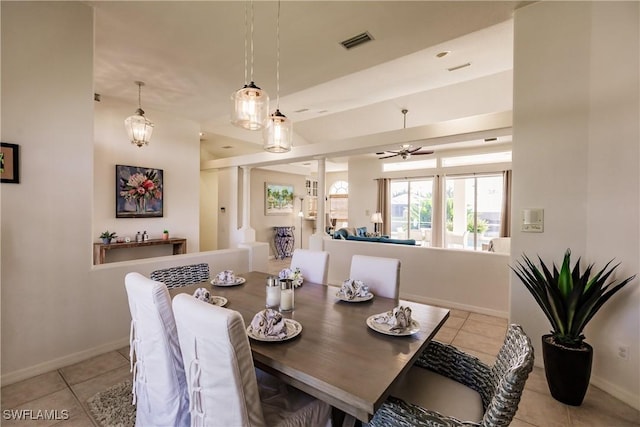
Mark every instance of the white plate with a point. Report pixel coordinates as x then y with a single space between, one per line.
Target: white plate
293 330
383 328
355 299
238 281
217 300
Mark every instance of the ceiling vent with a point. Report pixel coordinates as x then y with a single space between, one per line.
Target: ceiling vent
356 40
468 64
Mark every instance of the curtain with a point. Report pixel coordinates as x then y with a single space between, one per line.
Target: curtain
505 217
437 215
383 204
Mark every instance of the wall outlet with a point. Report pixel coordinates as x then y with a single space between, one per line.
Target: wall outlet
623 352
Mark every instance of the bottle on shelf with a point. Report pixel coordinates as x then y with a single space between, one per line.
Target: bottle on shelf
138 237
145 236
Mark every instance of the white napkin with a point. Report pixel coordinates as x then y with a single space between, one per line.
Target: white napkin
226 276
202 294
399 318
269 323
353 288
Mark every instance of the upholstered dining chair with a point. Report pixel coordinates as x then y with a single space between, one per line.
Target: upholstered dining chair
314 265
224 387
449 387
159 381
381 275
182 275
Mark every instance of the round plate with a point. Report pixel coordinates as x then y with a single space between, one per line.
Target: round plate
355 299
218 300
383 328
293 330
238 281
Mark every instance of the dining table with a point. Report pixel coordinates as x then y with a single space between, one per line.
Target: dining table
337 357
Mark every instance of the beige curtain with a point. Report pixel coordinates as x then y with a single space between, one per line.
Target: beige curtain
505 217
437 212
383 204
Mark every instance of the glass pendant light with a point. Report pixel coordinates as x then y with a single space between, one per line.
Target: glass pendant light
278 131
250 104
138 127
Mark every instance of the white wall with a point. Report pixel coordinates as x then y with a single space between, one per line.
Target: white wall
174 148
209 210
434 275
576 154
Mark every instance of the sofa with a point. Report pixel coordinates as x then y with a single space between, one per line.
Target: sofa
361 234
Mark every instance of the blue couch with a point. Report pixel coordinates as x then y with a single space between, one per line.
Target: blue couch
382 239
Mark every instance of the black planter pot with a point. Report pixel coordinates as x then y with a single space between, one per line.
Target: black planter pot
568 370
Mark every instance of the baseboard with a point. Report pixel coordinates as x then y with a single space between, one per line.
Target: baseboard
451 304
630 399
61 362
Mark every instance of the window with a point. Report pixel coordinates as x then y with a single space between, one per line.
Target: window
473 210
339 204
411 209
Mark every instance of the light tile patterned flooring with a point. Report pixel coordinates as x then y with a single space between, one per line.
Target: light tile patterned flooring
69 388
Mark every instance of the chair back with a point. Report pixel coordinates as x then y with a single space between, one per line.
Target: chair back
221 377
182 275
381 275
159 381
509 374
314 265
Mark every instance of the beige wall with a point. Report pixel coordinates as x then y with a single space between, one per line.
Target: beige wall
576 154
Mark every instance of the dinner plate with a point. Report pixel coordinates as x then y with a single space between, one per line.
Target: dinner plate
238 281
355 299
383 328
293 330
218 300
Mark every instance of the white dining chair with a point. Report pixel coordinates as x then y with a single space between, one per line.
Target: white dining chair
159 381
381 275
225 389
314 265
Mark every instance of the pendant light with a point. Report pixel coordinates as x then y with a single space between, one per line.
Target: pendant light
138 127
250 104
278 130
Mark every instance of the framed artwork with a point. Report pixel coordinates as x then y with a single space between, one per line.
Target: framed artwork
139 192
10 163
278 199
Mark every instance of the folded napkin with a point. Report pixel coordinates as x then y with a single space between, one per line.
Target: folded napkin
202 294
399 318
269 323
352 289
226 276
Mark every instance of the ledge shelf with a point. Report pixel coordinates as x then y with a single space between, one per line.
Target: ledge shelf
100 249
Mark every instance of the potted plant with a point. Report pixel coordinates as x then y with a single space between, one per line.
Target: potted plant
106 237
569 298
165 235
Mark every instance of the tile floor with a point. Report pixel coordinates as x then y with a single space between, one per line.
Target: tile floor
68 388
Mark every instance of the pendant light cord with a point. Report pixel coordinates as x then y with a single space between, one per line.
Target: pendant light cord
139 97
278 58
251 40
246 37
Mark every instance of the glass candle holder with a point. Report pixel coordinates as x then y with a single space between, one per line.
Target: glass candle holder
286 295
273 292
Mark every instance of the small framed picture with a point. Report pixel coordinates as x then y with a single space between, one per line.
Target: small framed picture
10 163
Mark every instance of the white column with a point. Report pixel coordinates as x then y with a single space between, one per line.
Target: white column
322 163
248 234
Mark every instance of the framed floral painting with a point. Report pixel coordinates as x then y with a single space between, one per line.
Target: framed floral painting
139 192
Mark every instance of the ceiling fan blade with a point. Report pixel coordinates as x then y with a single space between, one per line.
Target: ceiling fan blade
414 150
387 157
422 152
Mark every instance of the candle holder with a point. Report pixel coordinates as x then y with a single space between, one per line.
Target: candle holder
286 295
273 292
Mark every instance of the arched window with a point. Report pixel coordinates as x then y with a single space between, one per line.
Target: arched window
339 204
339 187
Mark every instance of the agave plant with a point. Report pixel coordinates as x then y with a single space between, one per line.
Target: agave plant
568 297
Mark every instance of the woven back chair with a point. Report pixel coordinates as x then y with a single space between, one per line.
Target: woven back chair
182 275
499 387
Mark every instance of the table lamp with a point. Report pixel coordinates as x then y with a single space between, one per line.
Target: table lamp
376 219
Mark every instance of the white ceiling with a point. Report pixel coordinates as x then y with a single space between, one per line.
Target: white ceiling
190 54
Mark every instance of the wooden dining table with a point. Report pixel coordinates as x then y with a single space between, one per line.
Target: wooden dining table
336 358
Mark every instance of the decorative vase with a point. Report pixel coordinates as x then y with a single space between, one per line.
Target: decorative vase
165 236
567 369
141 206
106 240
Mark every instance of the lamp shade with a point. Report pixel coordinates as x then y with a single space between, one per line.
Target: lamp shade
376 218
277 133
250 106
139 128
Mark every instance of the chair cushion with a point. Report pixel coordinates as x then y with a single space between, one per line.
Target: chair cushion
438 393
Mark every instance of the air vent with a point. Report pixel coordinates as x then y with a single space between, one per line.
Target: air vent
490 139
459 66
302 110
226 147
356 40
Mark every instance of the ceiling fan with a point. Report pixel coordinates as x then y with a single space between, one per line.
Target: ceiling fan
406 150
